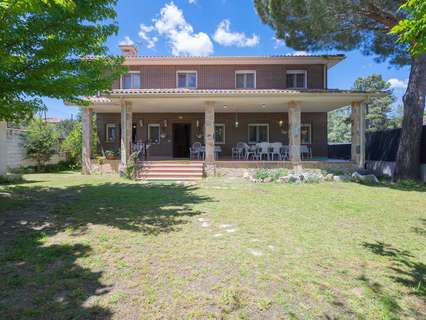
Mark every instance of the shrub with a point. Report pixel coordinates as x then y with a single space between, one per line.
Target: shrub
73 143
130 170
41 141
262 174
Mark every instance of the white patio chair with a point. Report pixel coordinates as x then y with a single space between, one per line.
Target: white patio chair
284 152
238 151
249 151
275 150
195 151
262 150
305 152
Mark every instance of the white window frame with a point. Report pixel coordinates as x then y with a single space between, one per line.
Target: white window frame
187 71
245 72
154 125
107 126
131 72
310 132
224 133
257 125
305 72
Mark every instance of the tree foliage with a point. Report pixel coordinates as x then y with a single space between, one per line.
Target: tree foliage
73 143
338 24
41 141
54 48
412 30
339 125
378 109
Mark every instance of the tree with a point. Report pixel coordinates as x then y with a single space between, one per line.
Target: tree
339 125
41 141
378 109
54 48
73 143
366 25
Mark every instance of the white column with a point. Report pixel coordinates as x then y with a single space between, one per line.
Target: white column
294 120
3 147
126 133
358 133
209 131
87 141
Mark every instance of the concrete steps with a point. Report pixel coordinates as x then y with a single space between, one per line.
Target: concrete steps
170 170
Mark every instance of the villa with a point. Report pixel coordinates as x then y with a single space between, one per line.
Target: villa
223 111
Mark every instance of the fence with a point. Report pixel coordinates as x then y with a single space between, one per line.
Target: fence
383 145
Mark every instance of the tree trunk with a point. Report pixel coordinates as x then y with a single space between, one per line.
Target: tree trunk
408 156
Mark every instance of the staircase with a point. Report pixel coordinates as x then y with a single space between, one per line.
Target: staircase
170 170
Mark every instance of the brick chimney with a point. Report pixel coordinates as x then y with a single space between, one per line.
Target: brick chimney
128 50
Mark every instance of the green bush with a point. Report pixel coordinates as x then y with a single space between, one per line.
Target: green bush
73 143
41 141
262 174
130 171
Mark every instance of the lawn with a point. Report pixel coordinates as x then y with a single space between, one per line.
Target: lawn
75 247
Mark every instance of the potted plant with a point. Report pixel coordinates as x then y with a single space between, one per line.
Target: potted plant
110 155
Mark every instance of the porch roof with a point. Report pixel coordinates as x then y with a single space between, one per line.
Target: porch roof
229 100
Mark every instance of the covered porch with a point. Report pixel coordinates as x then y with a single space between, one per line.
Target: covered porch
170 122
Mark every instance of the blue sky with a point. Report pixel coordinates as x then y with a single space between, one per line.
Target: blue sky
218 27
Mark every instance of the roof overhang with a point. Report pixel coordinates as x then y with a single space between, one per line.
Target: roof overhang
178 100
329 60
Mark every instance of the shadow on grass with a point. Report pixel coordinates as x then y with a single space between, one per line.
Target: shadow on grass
40 281
407 271
400 186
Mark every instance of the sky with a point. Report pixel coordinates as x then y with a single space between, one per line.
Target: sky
219 27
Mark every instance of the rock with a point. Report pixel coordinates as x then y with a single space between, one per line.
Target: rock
342 178
367 178
329 177
267 180
292 178
284 179
246 174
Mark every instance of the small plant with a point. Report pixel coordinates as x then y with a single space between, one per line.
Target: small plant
277 174
100 160
130 170
262 174
111 154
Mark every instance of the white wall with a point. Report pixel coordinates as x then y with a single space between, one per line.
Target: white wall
12 152
3 147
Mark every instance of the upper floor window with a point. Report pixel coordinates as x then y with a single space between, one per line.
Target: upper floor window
186 79
297 79
245 79
131 80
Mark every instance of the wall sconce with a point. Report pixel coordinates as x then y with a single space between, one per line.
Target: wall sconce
141 123
180 117
236 121
165 123
197 123
280 123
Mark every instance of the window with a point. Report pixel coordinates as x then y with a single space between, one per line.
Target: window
258 133
306 133
297 79
245 79
154 133
219 133
186 79
110 132
131 80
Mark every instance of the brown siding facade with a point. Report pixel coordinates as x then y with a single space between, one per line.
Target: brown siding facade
223 76
233 135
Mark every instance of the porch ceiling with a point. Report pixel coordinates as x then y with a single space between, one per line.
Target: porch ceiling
229 100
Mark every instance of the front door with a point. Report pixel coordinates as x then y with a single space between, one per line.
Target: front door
181 140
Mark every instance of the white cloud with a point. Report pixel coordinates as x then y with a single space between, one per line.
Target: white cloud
224 36
398 84
192 1
300 53
172 25
278 43
127 41
144 35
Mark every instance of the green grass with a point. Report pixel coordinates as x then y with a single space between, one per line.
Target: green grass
75 247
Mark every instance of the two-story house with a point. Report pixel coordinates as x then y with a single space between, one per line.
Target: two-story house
170 103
